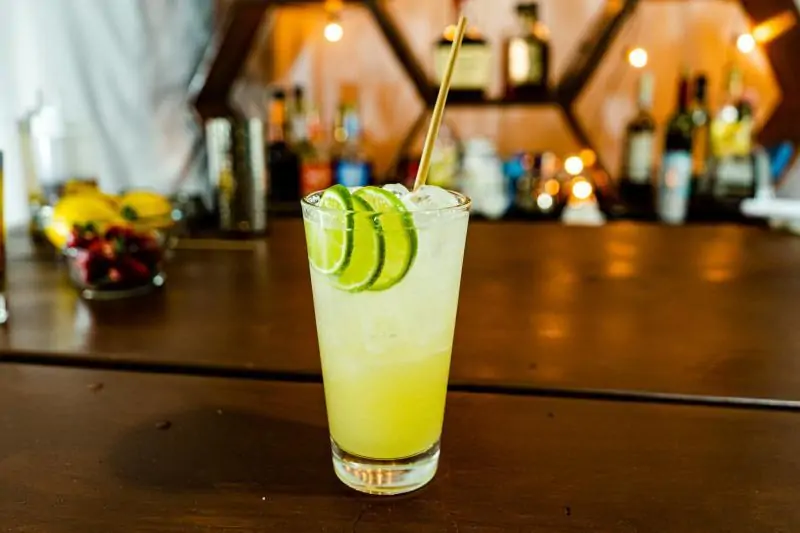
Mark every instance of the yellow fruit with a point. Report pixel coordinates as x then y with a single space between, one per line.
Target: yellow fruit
146 207
79 209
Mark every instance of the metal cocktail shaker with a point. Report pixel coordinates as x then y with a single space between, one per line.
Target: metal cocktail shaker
238 173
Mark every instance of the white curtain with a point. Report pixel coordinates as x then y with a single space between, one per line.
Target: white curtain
118 68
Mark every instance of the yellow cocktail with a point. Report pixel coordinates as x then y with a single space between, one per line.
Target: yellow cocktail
385 272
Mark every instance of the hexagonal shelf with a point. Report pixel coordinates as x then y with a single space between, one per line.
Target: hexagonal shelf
225 58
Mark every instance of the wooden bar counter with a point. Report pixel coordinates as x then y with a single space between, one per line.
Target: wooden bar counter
85 452
698 310
199 407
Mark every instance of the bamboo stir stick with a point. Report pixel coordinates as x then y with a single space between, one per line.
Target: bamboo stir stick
438 109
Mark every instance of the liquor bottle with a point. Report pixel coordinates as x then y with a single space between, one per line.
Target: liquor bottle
638 165
676 167
282 161
732 128
36 199
315 165
701 132
351 167
701 205
297 116
732 142
527 56
473 69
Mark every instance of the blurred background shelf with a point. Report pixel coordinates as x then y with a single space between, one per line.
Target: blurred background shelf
565 98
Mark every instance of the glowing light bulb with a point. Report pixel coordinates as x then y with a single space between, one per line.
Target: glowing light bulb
552 187
333 31
582 189
746 43
638 57
588 157
573 165
544 201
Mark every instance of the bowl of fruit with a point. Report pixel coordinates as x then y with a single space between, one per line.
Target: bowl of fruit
115 260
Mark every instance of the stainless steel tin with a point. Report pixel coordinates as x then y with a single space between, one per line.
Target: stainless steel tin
238 173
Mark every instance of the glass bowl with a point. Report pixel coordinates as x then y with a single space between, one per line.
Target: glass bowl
117 261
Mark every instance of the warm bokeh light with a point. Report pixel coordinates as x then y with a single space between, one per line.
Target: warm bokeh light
588 157
573 165
746 43
771 28
638 57
544 201
581 189
552 187
333 31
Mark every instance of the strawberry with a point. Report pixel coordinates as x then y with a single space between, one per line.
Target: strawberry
114 275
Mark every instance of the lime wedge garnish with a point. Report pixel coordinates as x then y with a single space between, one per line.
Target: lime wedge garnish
399 234
330 239
367 257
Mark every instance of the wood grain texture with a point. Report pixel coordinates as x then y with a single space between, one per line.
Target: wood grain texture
246 457
695 310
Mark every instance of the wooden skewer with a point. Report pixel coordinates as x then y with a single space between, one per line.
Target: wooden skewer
438 109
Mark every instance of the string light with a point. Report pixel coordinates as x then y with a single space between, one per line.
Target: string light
746 43
581 189
544 201
552 187
638 57
573 165
588 157
333 31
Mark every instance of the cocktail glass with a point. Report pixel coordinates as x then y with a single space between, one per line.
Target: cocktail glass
386 353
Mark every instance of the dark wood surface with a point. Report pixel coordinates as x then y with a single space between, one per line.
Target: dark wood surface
706 310
245 457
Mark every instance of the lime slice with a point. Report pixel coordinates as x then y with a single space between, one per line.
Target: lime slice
399 233
366 259
330 239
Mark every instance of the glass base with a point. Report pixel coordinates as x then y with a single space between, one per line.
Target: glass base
385 477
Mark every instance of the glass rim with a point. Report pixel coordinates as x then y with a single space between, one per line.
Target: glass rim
464 204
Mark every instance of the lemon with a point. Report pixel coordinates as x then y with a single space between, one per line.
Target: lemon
79 209
146 207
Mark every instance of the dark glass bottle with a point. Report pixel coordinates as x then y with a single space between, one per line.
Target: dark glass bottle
282 161
676 166
638 165
472 72
527 56
701 122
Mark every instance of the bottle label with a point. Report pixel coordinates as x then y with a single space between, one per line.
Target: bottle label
676 177
352 173
524 62
731 137
314 177
640 157
472 69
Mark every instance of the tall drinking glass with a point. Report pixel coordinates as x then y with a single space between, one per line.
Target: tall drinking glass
386 350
